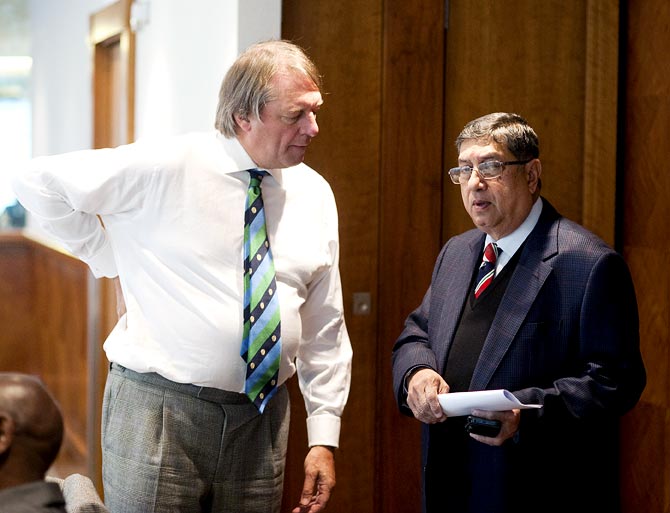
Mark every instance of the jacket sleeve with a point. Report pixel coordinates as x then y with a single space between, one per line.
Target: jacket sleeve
412 348
609 372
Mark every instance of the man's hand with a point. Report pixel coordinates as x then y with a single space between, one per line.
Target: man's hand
422 389
319 480
510 425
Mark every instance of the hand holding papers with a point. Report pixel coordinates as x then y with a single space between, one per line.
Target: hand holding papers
462 403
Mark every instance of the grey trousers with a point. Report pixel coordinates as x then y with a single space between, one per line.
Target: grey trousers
171 447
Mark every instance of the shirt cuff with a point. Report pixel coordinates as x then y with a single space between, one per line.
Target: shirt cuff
323 430
409 373
103 263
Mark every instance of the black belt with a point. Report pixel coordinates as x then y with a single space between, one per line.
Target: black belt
214 395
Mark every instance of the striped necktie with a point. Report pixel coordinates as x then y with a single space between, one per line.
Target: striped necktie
261 343
487 269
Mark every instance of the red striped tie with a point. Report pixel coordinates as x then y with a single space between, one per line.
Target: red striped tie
487 269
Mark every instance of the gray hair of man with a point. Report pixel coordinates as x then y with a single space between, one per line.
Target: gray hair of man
247 86
504 128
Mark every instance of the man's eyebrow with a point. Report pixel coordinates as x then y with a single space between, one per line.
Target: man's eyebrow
307 103
484 158
299 108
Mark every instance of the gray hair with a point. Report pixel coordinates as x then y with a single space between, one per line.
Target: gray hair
246 88
508 129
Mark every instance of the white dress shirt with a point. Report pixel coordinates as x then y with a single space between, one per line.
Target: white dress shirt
173 214
509 244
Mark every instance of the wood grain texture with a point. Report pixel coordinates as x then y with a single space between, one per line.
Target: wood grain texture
113 75
17 310
344 40
646 210
380 148
61 317
412 159
43 313
600 118
516 57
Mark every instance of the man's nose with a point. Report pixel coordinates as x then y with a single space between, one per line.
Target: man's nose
311 127
475 179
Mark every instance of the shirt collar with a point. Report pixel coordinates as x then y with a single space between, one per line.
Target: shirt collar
512 242
241 159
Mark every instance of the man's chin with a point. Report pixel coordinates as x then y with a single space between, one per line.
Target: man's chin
294 159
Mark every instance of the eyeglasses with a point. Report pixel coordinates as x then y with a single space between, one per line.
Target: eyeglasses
486 170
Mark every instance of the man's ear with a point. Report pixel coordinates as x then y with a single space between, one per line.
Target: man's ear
534 172
242 121
7 428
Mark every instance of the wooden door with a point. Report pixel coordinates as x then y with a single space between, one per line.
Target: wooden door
344 41
113 125
645 214
555 63
380 147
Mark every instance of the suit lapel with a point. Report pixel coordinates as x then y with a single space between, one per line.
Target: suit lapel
450 312
525 283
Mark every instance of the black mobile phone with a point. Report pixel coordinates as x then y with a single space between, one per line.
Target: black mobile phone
481 426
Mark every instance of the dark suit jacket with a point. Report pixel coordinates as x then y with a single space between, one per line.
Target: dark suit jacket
33 497
566 336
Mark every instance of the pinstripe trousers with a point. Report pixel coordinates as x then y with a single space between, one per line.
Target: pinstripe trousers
172 447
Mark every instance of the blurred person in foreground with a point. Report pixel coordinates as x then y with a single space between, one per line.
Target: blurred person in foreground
182 432
554 320
31 433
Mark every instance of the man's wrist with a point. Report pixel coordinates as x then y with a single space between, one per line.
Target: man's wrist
409 374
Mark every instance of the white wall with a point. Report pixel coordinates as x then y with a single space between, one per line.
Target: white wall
182 53
61 79
61 74
183 49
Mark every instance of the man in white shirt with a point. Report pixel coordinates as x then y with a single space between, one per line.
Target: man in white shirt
179 434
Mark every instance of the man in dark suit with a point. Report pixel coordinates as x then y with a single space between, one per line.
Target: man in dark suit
556 326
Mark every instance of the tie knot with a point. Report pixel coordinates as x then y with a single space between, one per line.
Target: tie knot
256 176
487 269
491 252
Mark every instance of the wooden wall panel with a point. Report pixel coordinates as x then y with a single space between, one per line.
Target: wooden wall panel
599 166
19 329
412 160
560 72
344 39
381 148
43 311
515 57
61 318
646 210
556 65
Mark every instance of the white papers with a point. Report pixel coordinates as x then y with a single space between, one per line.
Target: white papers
462 403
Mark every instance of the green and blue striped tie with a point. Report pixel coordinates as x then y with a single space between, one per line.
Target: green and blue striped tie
261 343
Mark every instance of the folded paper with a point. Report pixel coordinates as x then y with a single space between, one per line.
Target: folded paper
462 403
